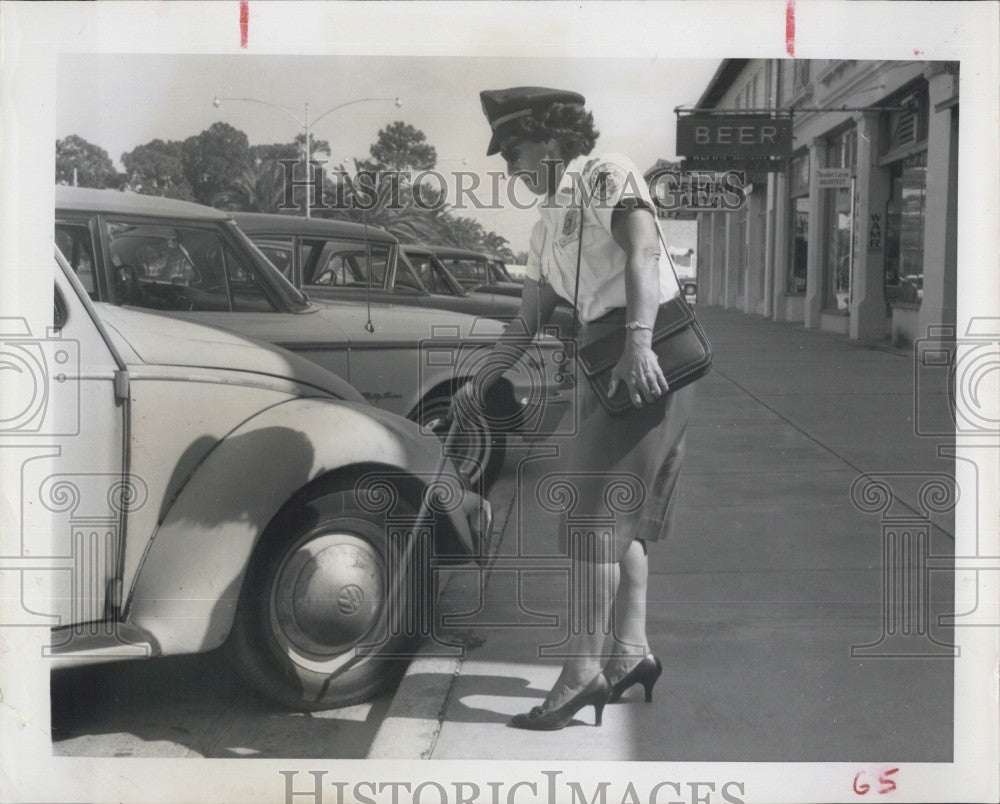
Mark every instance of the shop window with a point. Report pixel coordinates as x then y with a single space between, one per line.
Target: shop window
797 268
800 251
904 237
838 239
837 271
800 174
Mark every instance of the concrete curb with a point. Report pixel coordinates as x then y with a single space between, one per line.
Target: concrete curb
411 727
415 717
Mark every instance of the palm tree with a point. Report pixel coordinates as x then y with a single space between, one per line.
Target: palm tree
258 188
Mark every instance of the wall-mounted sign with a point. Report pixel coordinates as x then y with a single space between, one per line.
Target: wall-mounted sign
833 178
875 232
733 135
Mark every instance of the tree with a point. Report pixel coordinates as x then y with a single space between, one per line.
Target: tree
157 168
94 167
400 150
521 258
214 159
288 150
400 146
259 188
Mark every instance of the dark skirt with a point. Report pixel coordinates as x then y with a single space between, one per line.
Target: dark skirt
624 469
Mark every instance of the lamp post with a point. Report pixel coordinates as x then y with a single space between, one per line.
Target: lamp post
305 123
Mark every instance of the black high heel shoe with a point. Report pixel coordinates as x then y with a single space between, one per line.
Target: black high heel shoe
646 673
595 694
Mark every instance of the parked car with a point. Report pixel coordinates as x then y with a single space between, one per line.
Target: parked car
478 272
516 271
340 260
426 264
912 288
193 262
689 287
213 490
472 268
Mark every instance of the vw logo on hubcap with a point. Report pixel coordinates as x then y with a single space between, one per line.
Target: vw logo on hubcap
349 599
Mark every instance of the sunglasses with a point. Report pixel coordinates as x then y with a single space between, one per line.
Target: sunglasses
510 151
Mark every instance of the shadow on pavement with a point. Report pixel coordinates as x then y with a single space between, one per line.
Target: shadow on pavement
194 706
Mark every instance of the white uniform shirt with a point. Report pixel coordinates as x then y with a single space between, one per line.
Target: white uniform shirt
599 183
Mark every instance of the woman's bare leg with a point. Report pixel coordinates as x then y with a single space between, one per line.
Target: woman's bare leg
630 642
593 593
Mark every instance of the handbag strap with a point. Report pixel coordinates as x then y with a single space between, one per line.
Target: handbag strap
579 254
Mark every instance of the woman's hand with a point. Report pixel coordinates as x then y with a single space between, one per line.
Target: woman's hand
466 405
640 370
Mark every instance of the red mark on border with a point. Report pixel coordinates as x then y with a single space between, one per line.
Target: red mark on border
917 52
244 22
887 785
790 27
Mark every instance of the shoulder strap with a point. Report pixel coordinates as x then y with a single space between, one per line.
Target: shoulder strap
579 252
670 260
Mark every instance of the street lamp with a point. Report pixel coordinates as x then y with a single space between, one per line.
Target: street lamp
305 123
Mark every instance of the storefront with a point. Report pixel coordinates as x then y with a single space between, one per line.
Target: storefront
858 234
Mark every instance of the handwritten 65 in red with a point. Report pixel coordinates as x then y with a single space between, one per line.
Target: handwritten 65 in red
886 784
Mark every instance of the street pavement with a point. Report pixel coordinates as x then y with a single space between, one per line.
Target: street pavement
772 574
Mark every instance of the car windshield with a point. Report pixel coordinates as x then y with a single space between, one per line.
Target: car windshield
344 263
434 275
470 271
276 281
500 271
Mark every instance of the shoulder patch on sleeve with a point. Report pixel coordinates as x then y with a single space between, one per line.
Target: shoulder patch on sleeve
606 180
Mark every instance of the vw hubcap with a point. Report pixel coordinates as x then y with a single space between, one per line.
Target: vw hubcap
327 594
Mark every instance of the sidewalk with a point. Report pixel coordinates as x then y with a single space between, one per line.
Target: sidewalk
772 575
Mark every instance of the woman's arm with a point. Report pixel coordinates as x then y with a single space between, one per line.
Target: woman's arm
538 302
634 229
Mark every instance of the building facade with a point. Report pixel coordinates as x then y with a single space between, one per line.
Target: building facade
856 232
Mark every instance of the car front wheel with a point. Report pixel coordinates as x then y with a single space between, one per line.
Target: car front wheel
478 452
322 620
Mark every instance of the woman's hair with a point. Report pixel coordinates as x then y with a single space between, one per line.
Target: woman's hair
569 124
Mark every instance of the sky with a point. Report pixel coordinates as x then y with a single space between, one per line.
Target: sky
120 101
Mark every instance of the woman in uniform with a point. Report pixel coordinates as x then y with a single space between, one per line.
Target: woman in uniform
616 273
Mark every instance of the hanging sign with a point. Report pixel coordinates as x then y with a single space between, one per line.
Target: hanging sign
736 135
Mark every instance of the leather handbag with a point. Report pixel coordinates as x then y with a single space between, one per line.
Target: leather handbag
679 342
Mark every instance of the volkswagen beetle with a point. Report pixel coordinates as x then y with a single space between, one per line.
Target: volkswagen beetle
208 489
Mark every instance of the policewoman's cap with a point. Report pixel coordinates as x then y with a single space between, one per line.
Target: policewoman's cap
501 106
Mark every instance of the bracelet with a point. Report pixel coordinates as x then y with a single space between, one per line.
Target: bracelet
634 325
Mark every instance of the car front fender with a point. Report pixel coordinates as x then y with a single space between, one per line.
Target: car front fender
189 579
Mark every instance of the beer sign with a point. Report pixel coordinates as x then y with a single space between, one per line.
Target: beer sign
735 136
